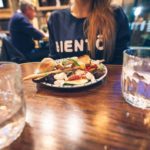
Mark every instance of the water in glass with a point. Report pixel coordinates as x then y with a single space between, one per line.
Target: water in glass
136 77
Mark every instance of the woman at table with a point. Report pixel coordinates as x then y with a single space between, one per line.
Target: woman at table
93 27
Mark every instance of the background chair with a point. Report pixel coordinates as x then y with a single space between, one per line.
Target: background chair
10 53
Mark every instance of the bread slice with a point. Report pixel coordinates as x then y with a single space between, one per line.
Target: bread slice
47 64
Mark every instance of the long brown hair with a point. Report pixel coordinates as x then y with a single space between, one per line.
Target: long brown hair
101 21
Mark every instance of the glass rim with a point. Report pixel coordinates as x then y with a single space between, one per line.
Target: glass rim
137 52
8 62
12 65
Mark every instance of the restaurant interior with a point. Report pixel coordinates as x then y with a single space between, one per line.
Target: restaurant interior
137 11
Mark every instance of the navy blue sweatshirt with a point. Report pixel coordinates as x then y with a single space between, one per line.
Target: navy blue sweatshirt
67 36
23 33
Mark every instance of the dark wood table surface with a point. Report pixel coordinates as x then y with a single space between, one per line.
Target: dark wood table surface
94 118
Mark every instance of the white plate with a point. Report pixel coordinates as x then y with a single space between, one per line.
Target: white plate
76 86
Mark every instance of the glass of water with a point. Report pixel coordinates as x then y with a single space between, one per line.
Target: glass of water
136 77
12 105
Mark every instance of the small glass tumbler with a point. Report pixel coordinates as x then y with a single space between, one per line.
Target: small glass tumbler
12 105
136 77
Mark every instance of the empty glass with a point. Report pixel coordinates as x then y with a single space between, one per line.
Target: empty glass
136 77
12 106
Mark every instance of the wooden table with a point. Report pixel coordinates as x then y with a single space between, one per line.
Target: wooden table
96 118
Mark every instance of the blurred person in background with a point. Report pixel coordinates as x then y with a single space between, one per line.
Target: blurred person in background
23 33
93 27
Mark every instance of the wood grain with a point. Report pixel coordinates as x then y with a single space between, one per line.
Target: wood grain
95 118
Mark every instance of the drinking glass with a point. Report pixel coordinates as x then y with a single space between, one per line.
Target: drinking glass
136 77
12 105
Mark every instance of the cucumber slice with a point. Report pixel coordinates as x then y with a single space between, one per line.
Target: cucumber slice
74 61
76 82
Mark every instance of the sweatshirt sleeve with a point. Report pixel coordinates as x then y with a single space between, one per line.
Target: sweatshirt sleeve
27 27
122 35
52 46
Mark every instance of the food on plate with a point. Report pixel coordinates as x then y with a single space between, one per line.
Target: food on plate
69 71
47 64
76 82
85 59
